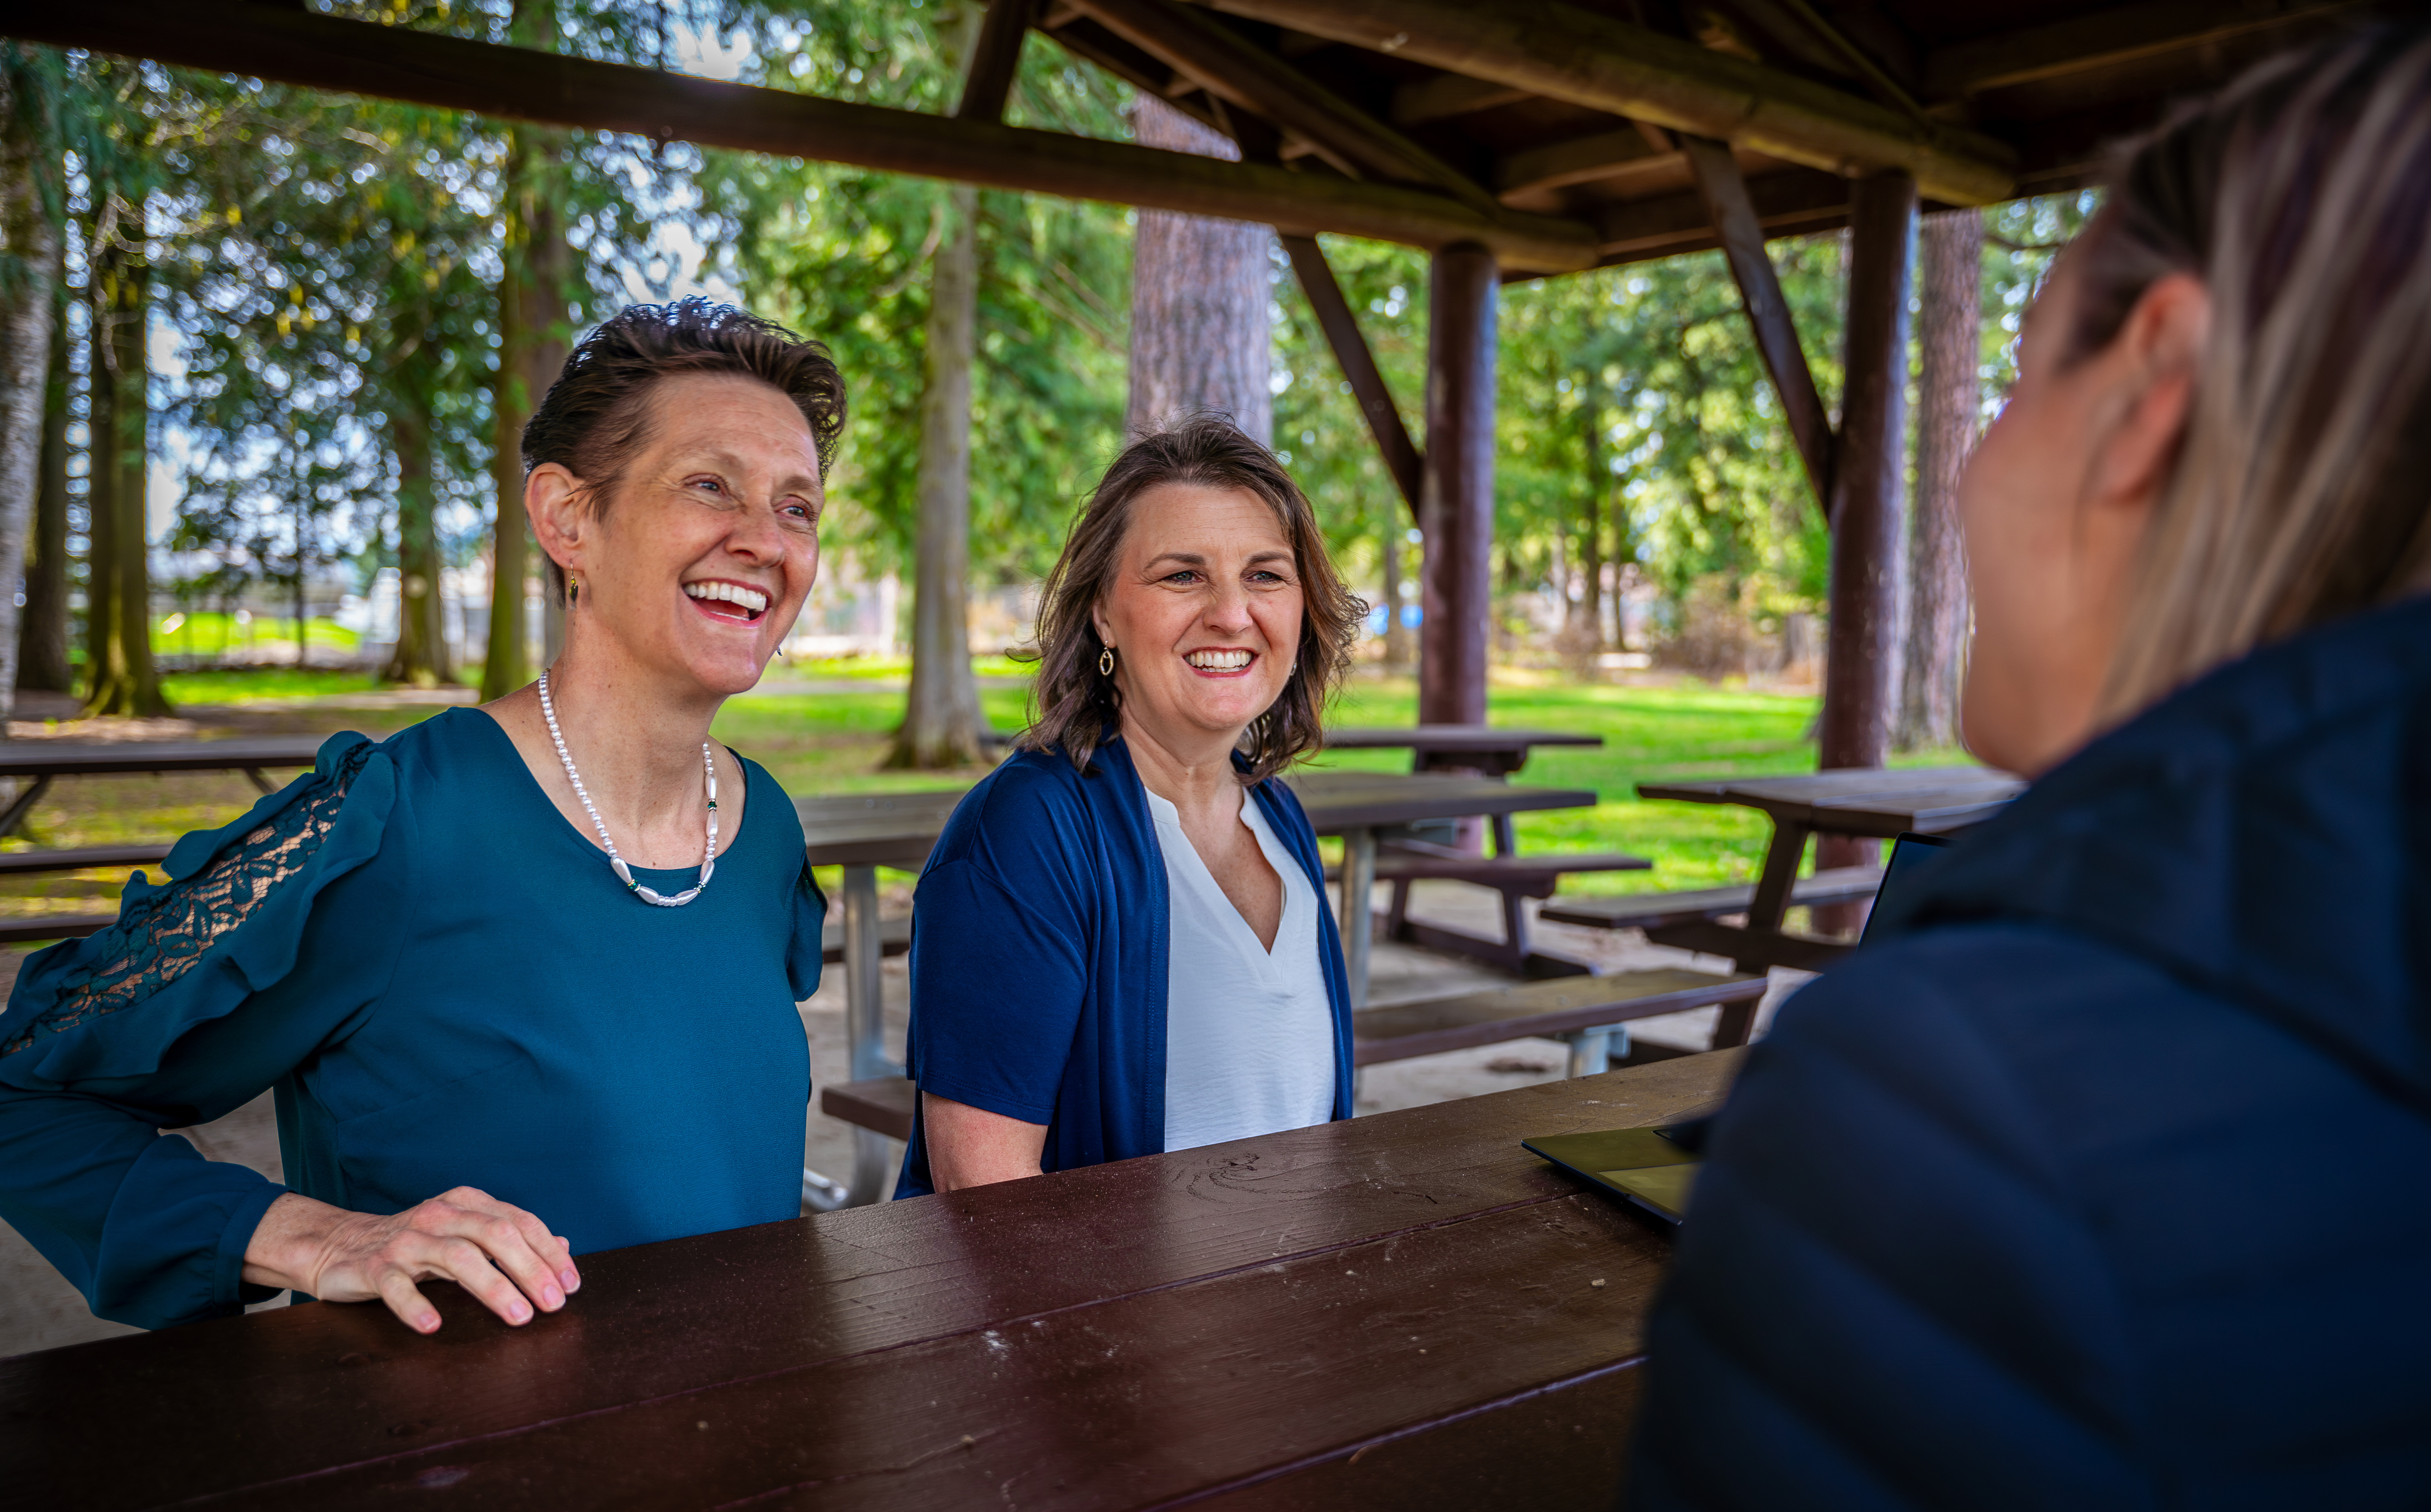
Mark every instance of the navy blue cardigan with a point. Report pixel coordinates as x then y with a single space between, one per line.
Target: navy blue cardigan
2102 1177
1038 958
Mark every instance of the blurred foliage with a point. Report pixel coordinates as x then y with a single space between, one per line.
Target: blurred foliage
842 253
304 244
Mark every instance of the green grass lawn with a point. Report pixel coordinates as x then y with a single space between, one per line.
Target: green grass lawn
209 633
247 687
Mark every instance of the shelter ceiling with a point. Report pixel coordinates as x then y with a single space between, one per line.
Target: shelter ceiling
1549 129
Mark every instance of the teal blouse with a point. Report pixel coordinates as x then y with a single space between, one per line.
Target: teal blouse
445 985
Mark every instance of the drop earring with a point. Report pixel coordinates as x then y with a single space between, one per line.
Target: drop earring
572 589
1106 662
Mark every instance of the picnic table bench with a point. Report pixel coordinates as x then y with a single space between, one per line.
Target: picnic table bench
38 764
1670 918
1866 802
1407 1312
1590 1014
35 764
898 830
1484 751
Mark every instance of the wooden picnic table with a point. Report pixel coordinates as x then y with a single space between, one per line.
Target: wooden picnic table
898 829
1869 802
860 835
1405 1311
1359 805
1486 750
38 764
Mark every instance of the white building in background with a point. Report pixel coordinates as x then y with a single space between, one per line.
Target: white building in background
848 614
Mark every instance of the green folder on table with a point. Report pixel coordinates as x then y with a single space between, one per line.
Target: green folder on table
1640 1164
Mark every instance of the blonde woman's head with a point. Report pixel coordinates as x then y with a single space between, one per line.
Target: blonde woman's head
2220 433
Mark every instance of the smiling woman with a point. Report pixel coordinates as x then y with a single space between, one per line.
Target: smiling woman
484 958
1160 969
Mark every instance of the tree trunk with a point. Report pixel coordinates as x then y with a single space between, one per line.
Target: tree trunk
123 681
101 427
1586 614
30 238
421 656
941 719
1950 329
941 716
42 639
303 586
532 338
1199 331
1396 634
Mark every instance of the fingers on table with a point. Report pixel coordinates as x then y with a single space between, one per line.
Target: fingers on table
476 1241
554 1254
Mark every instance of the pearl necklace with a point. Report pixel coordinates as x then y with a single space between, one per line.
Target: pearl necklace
615 861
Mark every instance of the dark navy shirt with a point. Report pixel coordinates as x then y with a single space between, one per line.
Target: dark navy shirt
1039 957
446 987
2100 1178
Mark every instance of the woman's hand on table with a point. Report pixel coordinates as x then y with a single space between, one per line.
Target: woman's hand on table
496 1250
972 1146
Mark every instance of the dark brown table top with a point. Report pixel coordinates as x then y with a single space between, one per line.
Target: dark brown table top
877 829
1458 738
1860 800
1400 1311
898 828
1337 801
62 758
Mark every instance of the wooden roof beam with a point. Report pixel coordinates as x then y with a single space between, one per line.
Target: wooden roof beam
994 60
1341 326
1579 161
1786 203
1734 216
2105 39
1228 66
1569 54
1445 95
395 62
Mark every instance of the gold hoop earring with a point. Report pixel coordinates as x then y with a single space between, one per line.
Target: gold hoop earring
1106 662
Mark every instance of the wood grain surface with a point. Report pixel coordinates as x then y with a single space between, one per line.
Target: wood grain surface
1396 1311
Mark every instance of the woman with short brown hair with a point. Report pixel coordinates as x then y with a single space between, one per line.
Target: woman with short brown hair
2095 1180
523 976
1120 942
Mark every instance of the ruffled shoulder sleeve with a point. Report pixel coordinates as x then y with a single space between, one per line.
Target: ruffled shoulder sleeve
806 906
226 922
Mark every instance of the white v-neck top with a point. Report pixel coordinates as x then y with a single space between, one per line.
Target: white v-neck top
1249 1034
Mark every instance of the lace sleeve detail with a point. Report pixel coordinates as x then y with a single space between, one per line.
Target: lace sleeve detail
164 932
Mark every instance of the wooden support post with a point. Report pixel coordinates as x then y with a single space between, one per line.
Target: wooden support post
1341 326
1868 475
1457 511
994 60
1725 193
1862 658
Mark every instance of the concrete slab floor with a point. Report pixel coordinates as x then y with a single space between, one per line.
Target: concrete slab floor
40 1310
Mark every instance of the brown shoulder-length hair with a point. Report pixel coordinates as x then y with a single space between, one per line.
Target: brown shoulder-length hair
1077 707
2300 196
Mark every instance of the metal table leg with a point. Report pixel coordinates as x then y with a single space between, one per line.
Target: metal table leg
864 1017
28 796
1592 1049
1358 915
